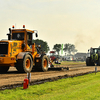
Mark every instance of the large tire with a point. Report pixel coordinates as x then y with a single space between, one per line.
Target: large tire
4 69
89 62
25 65
99 62
43 64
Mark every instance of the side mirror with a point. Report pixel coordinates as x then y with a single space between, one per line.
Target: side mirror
9 36
10 30
36 34
88 50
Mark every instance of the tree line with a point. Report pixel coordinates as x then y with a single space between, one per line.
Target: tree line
68 48
44 45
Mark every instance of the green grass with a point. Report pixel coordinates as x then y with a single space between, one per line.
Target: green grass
85 87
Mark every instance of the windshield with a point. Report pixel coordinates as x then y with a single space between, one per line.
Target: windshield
18 36
92 51
98 50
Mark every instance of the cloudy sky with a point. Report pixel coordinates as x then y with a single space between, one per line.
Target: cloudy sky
57 21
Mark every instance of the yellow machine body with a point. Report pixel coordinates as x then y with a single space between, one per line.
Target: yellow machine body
20 52
12 50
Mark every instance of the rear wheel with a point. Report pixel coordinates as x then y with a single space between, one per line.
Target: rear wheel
99 62
4 69
42 65
25 65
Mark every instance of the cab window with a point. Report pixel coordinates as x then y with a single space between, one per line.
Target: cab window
29 38
18 36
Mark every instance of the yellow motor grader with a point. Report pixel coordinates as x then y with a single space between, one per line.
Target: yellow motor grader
20 52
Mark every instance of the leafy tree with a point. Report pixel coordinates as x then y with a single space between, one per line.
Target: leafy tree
70 48
66 46
73 50
57 47
44 45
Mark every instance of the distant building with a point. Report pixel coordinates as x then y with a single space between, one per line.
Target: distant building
68 57
80 56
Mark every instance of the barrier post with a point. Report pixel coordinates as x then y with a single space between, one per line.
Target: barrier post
29 77
95 70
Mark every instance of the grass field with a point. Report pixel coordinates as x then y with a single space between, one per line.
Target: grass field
85 87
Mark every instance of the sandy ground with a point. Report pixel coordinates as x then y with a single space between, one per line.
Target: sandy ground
13 77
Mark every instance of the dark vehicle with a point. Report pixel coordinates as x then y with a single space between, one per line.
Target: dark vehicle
94 57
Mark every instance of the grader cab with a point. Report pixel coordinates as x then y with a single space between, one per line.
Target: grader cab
20 52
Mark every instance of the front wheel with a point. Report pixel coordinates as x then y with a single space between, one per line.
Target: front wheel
88 63
25 65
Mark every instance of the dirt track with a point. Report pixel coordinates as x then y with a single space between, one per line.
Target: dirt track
13 77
